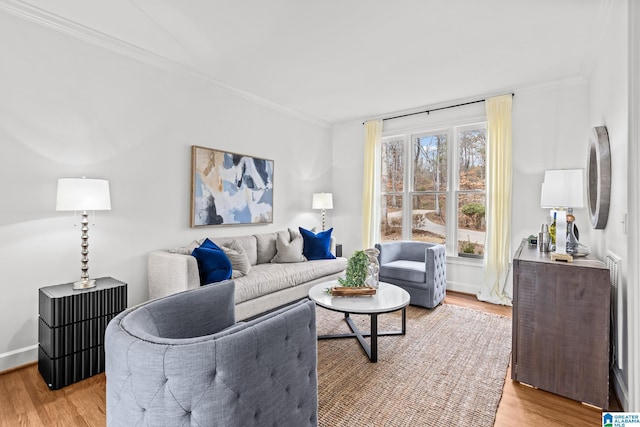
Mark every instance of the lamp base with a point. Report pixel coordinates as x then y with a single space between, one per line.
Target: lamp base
84 284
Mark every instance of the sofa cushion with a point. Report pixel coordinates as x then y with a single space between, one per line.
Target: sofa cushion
317 245
213 264
248 243
267 278
288 251
239 261
412 271
266 246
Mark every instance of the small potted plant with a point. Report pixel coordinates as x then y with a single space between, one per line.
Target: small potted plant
356 270
468 249
355 280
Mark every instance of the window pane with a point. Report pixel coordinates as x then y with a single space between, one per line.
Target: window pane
392 165
391 217
429 213
430 162
472 159
471 223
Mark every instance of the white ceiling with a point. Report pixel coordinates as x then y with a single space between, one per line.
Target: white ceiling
337 60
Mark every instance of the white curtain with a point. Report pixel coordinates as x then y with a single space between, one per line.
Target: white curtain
496 288
372 143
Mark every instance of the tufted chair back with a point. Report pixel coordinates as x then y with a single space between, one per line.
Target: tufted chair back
181 360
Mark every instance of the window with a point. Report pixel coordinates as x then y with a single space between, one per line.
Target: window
432 179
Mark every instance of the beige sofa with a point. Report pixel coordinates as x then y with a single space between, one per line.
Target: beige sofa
265 286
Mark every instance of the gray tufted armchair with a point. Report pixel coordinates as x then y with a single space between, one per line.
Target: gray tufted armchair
183 361
420 268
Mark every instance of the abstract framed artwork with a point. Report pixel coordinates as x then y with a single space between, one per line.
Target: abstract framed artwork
230 188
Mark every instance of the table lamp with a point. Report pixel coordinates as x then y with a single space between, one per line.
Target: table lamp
83 194
322 201
563 189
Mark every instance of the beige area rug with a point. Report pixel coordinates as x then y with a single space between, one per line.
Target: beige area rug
449 369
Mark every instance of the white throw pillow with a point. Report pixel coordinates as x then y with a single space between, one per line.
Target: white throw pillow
288 250
240 264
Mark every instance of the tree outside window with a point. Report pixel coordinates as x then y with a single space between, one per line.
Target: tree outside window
472 146
441 182
392 188
430 182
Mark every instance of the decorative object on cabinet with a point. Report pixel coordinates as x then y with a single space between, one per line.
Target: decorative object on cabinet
71 329
564 189
561 325
230 188
83 194
322 201
599 177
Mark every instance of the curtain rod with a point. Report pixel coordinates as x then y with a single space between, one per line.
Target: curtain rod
436 109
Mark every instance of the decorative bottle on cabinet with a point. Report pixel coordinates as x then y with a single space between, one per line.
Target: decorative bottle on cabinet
552 231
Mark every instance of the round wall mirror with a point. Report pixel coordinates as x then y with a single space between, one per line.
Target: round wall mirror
599 177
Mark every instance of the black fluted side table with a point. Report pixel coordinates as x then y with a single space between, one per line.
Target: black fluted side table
71 329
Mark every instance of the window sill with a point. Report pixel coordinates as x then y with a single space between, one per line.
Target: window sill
465 260
472 256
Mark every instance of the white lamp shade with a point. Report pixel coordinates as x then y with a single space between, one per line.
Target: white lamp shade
83 194
322 201
563 188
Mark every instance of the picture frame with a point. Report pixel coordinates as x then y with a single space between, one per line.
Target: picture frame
229 188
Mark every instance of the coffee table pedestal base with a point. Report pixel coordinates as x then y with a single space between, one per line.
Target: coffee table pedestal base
370 350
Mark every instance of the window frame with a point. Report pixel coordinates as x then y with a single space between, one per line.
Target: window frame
452 191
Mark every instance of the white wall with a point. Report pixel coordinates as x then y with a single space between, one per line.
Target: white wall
608 91
550 130
69 108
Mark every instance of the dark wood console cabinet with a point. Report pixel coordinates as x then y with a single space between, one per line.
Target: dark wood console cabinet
561 325
71 329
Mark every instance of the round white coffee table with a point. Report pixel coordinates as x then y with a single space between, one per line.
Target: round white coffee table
388 298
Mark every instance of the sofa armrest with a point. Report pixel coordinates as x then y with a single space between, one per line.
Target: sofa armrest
169 273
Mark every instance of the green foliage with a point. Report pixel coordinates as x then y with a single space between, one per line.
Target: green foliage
473 209
474 215
468 247
356 270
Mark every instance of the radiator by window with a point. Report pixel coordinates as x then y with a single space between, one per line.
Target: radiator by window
613 261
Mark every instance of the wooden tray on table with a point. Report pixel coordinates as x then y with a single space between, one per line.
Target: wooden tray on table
348 291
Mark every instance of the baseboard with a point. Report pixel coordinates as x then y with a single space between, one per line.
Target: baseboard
462 287
19 357
620 389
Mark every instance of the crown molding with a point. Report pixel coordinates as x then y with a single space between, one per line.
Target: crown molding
577 80
89 35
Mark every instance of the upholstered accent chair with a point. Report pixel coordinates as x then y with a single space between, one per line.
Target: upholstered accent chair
183 361
420 268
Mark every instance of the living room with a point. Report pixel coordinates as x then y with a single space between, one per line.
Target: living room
103 93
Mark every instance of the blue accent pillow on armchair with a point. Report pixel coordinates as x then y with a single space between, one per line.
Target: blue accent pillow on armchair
316 246
213 263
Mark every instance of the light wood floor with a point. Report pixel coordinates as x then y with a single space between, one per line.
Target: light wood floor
25 400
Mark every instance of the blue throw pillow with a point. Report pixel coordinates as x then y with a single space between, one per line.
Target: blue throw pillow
316 246
213 263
